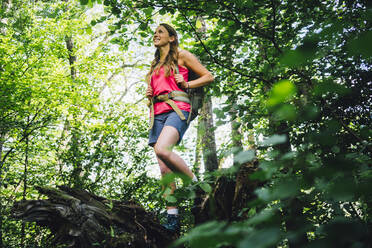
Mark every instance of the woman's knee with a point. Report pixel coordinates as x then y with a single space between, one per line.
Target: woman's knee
162 152
164 170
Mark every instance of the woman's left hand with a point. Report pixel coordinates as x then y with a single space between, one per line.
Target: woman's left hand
181 81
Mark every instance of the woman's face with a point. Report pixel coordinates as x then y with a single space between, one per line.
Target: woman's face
161 37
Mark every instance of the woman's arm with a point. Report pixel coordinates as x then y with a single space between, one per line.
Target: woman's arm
192 63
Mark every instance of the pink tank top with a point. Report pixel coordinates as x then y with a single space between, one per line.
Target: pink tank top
163 85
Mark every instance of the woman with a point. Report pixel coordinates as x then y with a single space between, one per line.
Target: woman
169 73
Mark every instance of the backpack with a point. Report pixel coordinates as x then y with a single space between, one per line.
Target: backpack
196 96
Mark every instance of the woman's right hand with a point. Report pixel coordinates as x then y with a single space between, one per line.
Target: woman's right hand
149 91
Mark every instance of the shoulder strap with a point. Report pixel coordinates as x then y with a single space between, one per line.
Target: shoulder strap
177 70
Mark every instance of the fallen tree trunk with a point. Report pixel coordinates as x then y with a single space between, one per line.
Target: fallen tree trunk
77 218
80 219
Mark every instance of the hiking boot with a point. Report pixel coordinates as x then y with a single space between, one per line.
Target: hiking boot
173 223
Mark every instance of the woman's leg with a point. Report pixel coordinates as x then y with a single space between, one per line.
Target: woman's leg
170 162
165 170
163 149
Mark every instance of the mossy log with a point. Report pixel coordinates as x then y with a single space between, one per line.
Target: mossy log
80 219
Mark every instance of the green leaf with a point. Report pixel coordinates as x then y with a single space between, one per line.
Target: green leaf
167 179
89 30
112 232
274 140
198 24
162 11
281 92
244 156
266 237
286 188
206 187
171 199
292 58
330 87
148 11
258 175
286 112
343 189
143 26
361 45
261 217
84 2
207 235
90 3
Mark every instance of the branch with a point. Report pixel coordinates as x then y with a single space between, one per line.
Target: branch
140 100
244 24
215 59
215 14
127 89
25 135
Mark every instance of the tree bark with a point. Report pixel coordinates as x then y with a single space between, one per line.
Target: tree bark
208 136
80 219
197 163
206 126
236 136
25 171
77 166
71 56
2 139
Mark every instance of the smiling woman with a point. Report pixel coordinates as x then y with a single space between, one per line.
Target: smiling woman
170 107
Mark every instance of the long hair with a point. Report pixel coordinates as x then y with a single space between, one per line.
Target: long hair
170 62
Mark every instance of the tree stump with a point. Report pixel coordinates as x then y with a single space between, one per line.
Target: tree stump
229 196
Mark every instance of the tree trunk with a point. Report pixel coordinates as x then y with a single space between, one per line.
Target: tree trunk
2 139
80 219
236 136
25 185
75 178
208 136
71 56
197 163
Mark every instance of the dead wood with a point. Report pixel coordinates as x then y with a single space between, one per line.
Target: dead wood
80 219
230 195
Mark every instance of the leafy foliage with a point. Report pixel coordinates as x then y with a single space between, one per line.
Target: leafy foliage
297 75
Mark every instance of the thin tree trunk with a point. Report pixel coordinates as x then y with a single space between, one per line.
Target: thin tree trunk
1 224
236 136
206 127
77 166
25 171
208 137
71 56
1 205
2 140
197 163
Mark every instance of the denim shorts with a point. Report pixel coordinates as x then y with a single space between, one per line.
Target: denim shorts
168 119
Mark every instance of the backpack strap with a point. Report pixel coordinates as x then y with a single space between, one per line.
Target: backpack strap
169 98
188 96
